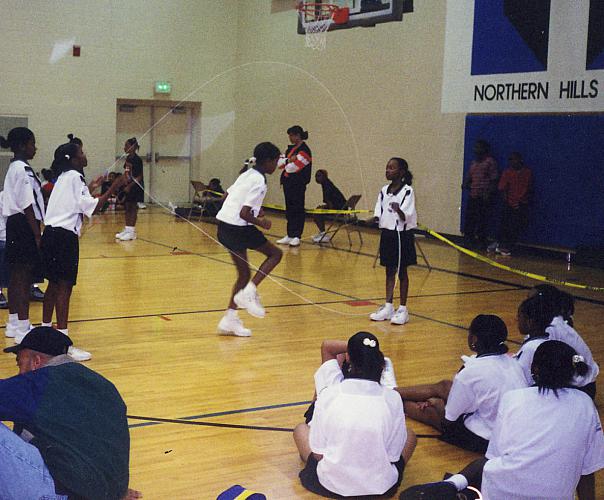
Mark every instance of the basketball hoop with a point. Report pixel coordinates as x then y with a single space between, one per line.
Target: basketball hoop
317 18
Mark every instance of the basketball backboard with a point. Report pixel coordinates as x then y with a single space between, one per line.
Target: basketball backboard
365 12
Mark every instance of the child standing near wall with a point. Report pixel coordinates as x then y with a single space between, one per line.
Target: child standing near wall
24 208
69 201
241 212
396 214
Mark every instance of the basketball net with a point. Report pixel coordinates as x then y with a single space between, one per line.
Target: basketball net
316 19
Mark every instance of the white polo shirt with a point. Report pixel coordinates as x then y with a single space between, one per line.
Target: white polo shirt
249 190
561 330
69 201
359 428
477 390
525 356
22 188
388 218
542 445
2 219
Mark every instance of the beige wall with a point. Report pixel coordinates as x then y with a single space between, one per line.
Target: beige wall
387 85
126 47
372 94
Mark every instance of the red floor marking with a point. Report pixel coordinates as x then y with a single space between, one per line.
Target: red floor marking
165 318
356 303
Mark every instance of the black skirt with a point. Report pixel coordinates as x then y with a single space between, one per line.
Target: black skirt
393 243
61 254
238 238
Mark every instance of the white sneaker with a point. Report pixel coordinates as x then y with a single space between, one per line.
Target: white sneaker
286 240
388 379
142 206
20 333
10 331
233 326
493 247
295 242
79 354
127 236
248 299
400 317
383 313
321 238
120 234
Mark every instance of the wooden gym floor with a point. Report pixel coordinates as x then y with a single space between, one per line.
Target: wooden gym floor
148 310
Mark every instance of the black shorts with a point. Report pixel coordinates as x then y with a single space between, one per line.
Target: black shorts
238 238
135 195
60 254
390 244
310 480
457 434
21 248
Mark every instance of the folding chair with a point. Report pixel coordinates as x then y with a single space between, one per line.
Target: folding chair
345 221
199 188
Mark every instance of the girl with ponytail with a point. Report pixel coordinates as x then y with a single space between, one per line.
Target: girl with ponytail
357 424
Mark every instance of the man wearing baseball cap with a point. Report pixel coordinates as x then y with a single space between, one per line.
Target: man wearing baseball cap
71 437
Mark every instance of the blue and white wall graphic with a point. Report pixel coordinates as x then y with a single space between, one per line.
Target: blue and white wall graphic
524 56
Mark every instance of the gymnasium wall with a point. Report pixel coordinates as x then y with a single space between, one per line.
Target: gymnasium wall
125 47
372 94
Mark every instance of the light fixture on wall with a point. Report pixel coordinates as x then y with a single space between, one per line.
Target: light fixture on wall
162 87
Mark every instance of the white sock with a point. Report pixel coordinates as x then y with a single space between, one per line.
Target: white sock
403 307
231 313
13 318
64 331
250 287
459 481
23 324
129 229
46 324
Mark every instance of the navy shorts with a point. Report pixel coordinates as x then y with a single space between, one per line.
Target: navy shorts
395 243
310 480
239 238
61 254
457 434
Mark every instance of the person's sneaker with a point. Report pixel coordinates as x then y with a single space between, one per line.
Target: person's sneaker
400 317
504 251
21 333
79 354
321 237
248 299
36 294
232 325
384 313
128 236
3 302
492 247
120 234
442 490
11 330
142 206
388 379
295 242
286 240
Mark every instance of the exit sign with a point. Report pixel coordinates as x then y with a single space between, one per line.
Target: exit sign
163 87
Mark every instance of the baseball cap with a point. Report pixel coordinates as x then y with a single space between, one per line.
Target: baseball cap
43 339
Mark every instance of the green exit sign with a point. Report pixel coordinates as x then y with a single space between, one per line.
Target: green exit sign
163 87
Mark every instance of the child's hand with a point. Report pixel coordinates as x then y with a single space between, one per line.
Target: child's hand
265 223
395 206
260 213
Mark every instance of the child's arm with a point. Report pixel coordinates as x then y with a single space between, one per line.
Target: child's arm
248 216
30 216
586 489
331 348
117 183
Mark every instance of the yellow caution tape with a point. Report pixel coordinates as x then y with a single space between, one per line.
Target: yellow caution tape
318 210
493 263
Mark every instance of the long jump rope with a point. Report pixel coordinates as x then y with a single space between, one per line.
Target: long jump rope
205 233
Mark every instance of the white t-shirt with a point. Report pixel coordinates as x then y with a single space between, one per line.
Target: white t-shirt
477 390
525 355
249 190
542 445
359 428
69 201
561 330
21 189
388 218
2 219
